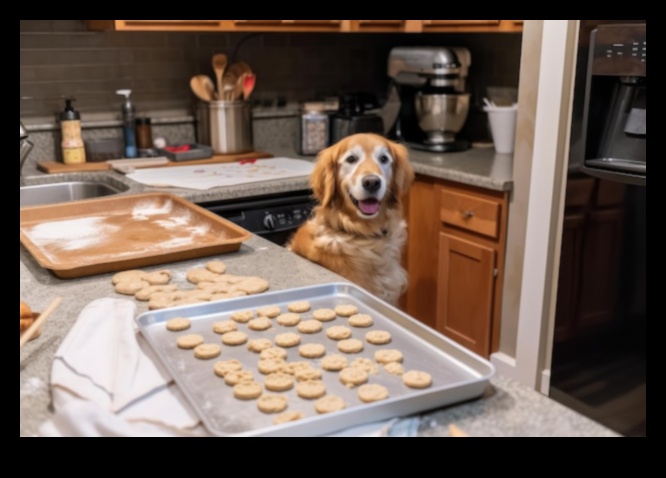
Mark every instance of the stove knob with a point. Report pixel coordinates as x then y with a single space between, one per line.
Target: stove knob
269 222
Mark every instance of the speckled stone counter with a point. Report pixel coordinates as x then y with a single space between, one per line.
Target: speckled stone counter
506 409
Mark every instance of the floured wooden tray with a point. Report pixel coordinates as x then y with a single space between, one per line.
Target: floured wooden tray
117 233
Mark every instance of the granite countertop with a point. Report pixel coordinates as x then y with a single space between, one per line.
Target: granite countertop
506 409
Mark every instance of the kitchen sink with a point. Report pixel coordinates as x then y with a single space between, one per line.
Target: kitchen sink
67 191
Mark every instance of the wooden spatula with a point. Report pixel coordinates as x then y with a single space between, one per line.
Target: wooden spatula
219 65
248 85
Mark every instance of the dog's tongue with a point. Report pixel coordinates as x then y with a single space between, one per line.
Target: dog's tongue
369 206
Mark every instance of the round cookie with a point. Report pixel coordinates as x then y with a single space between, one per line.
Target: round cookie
247 390
178 323
207 351
158 277
217 266
338 332
189 341
292 368
224 367
260 323
299 307
288 339
329 403
360 320
289 319
310 373
372 392
352 376
311 350
364 364
417 379
234 338
388 355
278 382
334 362
350 346
272 403
270 311
394 368
309 326
242 316
346 310
378 337
224 326
237 376
131 275
253 285
145 293
268 366
257 345
324 315
273 353
131 286
290 416
311 389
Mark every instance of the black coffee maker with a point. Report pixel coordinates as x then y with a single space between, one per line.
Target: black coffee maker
353 117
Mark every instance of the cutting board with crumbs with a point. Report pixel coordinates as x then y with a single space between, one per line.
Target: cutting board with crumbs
54 167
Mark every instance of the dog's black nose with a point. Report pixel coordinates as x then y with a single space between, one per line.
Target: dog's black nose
371 183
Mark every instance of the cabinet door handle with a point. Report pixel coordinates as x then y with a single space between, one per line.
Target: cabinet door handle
468 214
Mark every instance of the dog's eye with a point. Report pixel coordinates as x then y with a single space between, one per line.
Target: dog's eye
351 159
383 159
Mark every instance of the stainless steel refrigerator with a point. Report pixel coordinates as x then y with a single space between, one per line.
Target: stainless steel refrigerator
599 349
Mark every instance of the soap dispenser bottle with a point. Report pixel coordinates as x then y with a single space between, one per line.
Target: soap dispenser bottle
73 149
129 132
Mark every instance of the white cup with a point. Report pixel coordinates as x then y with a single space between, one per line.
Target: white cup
502 121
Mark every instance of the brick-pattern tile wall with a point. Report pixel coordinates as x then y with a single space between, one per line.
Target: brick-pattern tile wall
61 57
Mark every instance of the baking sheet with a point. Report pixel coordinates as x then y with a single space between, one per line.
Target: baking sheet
83 238
458 374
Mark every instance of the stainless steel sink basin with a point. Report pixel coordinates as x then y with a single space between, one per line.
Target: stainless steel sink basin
66 191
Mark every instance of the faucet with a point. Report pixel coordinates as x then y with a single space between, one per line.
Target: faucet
25 147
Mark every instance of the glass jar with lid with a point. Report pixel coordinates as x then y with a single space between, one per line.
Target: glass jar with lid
313 128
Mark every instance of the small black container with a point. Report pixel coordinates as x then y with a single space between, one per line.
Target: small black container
351 118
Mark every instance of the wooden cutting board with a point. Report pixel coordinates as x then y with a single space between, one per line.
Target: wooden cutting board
54 167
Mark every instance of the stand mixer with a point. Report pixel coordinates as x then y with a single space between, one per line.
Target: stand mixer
430 85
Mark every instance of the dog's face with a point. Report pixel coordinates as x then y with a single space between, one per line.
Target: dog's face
362 174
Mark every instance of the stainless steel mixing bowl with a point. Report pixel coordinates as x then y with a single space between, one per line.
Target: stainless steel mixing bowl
442 116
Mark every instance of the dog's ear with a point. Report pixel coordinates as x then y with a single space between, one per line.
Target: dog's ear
403 173
323 178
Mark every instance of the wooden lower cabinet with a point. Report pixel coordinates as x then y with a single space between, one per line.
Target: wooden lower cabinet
455 260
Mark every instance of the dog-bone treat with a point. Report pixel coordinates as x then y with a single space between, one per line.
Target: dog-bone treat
131 275
278 382
385 356
189 341
329 403
257 345
372 392
364 364
200 275
350 346
224 326
160 300
289 319
309 326
272 403
229 295
224 367
270 311
346 310
234 338
394 368
288 339
207 351
247 390
360 320
299 307
289 416
130 286
311 389
242 316
378 337
311 350
324 315
352 376
338 332
260 323
147 292
334 362
161 277
417 379
216 287
253 285
237 376
273 353
216 266
178 323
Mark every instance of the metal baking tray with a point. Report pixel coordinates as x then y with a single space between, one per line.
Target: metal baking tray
458 374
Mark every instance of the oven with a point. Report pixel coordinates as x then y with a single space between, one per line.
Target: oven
274 217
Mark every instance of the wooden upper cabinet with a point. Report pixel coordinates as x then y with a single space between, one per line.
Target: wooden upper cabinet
155 25
378 25
291 25
472 25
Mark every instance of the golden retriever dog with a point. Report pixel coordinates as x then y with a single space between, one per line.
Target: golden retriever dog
357 229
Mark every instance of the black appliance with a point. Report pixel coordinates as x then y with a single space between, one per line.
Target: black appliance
598 363
274 217
352 116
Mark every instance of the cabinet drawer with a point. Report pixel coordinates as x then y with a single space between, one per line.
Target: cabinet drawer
469 212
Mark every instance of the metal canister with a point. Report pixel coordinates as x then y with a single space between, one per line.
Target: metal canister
230 126
313 129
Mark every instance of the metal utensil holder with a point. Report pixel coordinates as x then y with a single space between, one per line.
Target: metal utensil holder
230 126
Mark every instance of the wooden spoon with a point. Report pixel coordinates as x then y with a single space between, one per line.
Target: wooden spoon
219 65
203 87
27 335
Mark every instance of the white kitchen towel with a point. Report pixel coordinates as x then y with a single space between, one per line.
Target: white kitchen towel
208 176
106 381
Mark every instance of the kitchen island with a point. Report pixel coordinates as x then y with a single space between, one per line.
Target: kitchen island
506 409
